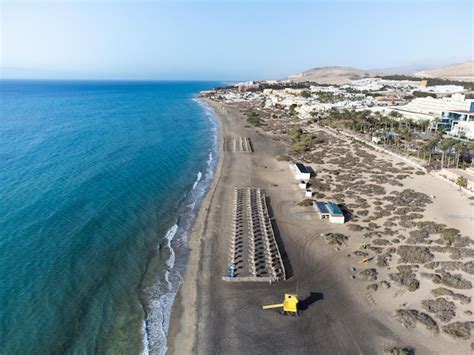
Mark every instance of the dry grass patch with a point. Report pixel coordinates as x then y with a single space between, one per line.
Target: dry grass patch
441 291
398 350
443 309
355 227
410 318
418 237
381 242
414 254
468 267
368 275
307 202
452 280
407 280
383 260
431 227
459 330
336 239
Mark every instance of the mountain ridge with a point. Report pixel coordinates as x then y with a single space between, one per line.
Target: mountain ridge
460 71
340 75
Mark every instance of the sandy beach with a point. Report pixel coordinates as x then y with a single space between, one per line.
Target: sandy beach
339 314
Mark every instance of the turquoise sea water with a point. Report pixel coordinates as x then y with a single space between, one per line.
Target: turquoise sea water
98 183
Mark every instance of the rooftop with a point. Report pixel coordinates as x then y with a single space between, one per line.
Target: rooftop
328 208
463 112
321 207
302 168
333 209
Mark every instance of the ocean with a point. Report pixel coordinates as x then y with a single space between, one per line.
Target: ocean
99 182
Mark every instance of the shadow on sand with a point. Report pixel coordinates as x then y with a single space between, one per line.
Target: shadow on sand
347 213
308 301
311 171
281 246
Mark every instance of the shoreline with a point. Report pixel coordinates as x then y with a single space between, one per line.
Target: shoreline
183 320
160 304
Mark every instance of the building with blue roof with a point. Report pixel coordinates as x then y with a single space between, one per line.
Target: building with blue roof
329 210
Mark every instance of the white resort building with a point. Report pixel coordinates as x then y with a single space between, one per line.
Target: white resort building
429 108
450 119
463 129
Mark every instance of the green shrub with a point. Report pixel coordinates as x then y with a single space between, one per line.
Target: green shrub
306 202
254 119
300 141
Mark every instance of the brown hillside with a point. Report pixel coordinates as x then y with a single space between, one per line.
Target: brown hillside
461 71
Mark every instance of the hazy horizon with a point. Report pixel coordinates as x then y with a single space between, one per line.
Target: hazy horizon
228 40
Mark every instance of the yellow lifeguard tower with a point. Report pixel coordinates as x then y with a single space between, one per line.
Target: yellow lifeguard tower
289 305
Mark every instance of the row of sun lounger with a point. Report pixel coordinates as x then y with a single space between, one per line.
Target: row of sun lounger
264 257
237 242
243 144
253 240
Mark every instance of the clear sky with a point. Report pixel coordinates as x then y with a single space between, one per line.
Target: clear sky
226 39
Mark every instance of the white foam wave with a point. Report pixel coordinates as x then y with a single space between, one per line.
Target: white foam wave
162 294
146 344
209 159
199 176
169 237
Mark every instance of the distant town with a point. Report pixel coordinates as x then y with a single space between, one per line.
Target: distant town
428 120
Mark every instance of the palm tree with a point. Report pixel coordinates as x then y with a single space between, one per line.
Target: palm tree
435 122
440 132
462 181
424 124
395 114
410 122
451 143
470 147
407 136
444 145
419 148
458 147
429 146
